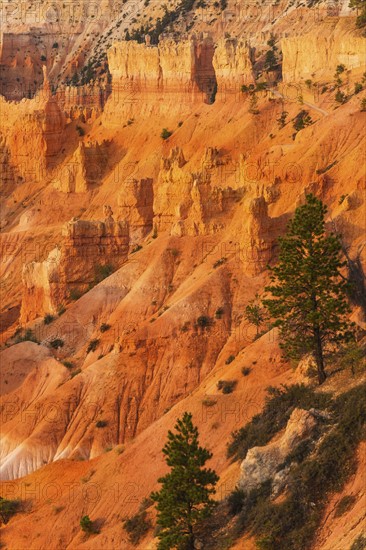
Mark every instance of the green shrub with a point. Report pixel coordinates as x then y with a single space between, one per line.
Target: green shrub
208 402
302 120
246 371
75 294
101 272
8 508
219 312
80 131
230 359
359 543
87 525
61 310
104 327
68 364
340 97
204 321
219 262
137 526
28 336
75 373
48 319
57 343
358 87
101 424
345 504
226 386
93 344
236 501
165 134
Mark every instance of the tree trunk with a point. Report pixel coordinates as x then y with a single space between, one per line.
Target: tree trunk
190 542
319 356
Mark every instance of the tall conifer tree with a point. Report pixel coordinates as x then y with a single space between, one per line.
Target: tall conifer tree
184 499
309 294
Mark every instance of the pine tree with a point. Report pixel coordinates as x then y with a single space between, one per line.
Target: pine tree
255 314
309 294
184 499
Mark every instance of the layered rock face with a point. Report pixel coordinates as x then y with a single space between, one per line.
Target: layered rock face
85 248
170 72
233 66
317 53
82 102
85 169
187 203
258 236
135 202
33 125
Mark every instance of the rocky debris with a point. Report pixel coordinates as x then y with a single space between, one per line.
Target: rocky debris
262 463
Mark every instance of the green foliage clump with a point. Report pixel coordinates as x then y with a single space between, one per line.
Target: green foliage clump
359 543
93 344
101 424
219 262
137 526
203 321
48 319
255 314
271 60
358 87
88 526
57 343
101 272
281 121
184 499
226 386
302 120
104 327
246 371
344 505
219 312
340 97
165 133
75 294
28 336
8 508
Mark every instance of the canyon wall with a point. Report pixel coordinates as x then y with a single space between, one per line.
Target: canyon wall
318 53
233 65
151 78
74 266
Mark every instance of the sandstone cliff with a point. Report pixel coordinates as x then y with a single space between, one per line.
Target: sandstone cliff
85 248
318 55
